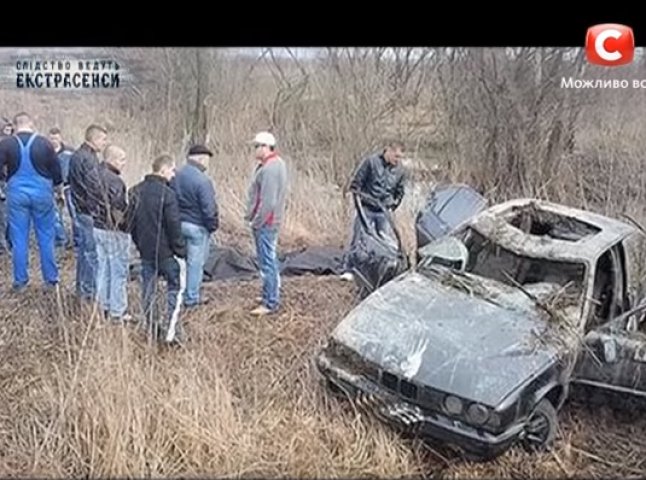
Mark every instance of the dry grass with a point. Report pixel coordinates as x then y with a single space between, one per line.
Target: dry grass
78 397
81 397
84 398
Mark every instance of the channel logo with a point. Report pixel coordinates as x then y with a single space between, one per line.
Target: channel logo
610 44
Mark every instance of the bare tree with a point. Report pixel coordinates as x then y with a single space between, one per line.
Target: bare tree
200 128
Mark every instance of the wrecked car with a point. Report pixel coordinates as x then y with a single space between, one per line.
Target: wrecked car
477 346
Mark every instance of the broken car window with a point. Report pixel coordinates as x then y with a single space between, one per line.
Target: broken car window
535 221
488 259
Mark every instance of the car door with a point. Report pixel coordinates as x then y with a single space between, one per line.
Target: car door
377 256
446 207
614 355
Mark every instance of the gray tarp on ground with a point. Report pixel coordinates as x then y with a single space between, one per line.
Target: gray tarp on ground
229 263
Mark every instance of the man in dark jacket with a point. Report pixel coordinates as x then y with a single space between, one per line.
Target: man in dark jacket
6 130
6 127
154 222
33 173
379 180
85 188
64 153
198 211
112 242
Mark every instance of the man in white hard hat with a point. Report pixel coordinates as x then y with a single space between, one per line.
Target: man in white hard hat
265 214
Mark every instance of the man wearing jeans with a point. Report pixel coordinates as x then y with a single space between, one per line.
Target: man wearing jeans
198 212
86 191
265 212
112 242
154 222
64 154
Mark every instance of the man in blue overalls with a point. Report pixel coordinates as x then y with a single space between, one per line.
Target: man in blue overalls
32 171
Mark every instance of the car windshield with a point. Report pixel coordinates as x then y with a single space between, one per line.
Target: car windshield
488 259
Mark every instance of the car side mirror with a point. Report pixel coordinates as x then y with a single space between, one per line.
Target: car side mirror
609 350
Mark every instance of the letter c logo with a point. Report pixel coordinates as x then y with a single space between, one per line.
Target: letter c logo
600 45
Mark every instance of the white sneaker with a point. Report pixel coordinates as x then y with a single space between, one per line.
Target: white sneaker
347 276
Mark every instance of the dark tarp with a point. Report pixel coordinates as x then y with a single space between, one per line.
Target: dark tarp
224 263
228 263
314 261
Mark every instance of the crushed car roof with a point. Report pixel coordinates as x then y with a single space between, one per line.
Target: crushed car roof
583 235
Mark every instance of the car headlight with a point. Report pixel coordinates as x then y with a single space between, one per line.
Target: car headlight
494 419
477 414
453 405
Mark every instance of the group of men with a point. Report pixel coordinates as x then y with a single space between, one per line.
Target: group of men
169 216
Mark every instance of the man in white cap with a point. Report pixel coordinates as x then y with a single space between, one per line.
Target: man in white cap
265 214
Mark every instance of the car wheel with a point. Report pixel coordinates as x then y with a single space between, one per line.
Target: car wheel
540 430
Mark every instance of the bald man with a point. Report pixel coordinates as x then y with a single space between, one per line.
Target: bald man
83 178
112 241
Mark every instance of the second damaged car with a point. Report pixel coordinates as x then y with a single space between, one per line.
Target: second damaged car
477 346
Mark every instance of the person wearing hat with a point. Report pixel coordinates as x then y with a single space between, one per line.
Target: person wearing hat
265 213
199 217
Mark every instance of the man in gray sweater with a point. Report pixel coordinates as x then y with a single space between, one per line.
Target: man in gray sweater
265 214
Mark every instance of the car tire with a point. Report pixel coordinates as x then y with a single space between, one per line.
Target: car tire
541 427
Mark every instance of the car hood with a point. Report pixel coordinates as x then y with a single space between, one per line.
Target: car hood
477 347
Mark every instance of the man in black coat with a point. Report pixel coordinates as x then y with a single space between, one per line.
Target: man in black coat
380 184
85 186
6 130
154 222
